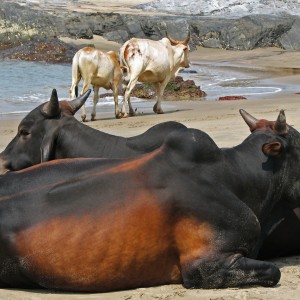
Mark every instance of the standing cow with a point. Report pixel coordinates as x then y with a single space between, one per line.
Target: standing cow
188 212
151 61
99 69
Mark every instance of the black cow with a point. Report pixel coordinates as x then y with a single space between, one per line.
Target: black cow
50 132
188 212
282 237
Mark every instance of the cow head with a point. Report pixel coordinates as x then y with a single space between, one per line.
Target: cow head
37 132
181 51
287 144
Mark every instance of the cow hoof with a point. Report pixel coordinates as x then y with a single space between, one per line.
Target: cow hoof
119 116
157 111
132 113
83 118
124 115
93 117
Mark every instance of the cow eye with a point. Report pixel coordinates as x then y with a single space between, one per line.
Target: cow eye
23 132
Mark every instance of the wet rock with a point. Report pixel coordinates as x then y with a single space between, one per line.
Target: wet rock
177 89
20 24
229 98
52 51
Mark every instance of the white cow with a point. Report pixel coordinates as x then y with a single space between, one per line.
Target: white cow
99 69
151 61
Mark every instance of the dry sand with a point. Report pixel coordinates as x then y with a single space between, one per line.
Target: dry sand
221 120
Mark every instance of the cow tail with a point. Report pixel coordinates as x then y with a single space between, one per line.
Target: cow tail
76 76
124 65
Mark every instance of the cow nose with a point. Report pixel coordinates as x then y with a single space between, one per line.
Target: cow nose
3 168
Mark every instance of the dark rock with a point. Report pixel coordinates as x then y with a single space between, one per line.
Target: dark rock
226 98
177 89
50 50
290 38
21 25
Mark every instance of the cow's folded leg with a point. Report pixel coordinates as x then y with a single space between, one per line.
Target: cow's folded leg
231 271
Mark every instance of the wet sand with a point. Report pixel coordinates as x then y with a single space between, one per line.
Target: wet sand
221 120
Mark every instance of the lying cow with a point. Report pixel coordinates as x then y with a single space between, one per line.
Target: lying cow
98 69
282 238
188 212
151 61
50 131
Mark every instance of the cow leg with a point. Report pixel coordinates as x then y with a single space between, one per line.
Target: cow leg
84 89
160 88
116 100
233 270
126 99
96 99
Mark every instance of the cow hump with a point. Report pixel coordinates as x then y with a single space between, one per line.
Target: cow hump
192 145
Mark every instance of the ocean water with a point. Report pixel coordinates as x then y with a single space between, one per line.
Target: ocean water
24 85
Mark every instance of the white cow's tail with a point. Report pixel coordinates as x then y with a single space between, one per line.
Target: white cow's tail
76 76
124 66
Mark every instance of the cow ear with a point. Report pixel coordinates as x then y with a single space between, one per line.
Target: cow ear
272 149
51 108
47 146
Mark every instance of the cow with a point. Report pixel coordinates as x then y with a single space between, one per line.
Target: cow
51 131
151 61
99 69
187 212
283 237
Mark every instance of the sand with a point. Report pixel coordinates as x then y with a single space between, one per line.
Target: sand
221 120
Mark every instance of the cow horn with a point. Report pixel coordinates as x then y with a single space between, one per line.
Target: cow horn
186 41
280 124
78 102
173 42
250 120
51 108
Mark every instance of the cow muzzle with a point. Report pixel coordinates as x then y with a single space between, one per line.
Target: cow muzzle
3 167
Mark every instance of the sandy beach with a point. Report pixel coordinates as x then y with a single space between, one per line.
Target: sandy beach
221 120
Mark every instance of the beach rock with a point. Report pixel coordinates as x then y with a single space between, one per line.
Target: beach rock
290 38
177 89
49 50
20 24
216 25
245 33
229 98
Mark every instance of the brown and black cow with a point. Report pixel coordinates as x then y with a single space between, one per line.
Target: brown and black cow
51 131
188 212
